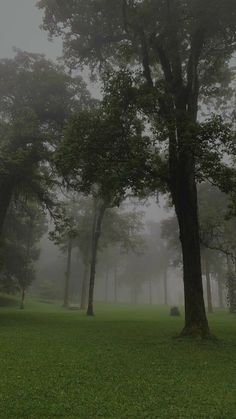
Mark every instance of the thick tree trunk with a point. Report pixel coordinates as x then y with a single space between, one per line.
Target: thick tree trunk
22 304
165 283
231 285
67 276
84 287
96 233
208 285
185 199
6 191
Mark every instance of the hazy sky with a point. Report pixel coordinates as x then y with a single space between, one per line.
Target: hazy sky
19 27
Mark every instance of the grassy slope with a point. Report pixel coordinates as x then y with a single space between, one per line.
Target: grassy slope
121 364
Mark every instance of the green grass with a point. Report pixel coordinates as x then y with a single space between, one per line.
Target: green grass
121 364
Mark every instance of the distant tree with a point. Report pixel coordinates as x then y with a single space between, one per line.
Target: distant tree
64 235
162 255
217 237
24 227
121 235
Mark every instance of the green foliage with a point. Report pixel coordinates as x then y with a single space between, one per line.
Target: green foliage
24 227
36 99
216 224
123 229
105 148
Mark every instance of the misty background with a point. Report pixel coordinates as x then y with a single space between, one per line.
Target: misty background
25 34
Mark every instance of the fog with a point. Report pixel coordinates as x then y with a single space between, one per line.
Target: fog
20 30
24 33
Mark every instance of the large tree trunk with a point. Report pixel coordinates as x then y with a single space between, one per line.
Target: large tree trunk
208 285
84 288
184 194
67 276
231 285
99 212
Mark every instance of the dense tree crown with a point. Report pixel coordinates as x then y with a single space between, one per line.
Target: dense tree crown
37 97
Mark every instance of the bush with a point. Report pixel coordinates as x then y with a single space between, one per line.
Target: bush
174 311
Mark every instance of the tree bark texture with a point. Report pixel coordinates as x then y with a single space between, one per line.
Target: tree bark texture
231 285
179 111
184 195
99 212
84 288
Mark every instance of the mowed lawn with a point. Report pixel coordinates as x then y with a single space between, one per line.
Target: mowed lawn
123 363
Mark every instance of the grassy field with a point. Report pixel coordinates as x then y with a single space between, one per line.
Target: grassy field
121 364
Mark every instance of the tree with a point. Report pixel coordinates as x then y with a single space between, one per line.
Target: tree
64 236
218 236
183 49
121 235
105 153
36 99
161 256
24 227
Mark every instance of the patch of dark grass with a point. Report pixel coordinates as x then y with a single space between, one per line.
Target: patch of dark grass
8 301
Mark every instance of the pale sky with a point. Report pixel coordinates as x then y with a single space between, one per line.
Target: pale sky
19 27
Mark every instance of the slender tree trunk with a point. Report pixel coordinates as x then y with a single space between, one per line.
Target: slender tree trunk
84 289
135 293
208 285
96 233
220 291
184 194
22 304
150 291
6 191
165 283
67 276
115 284
106 284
